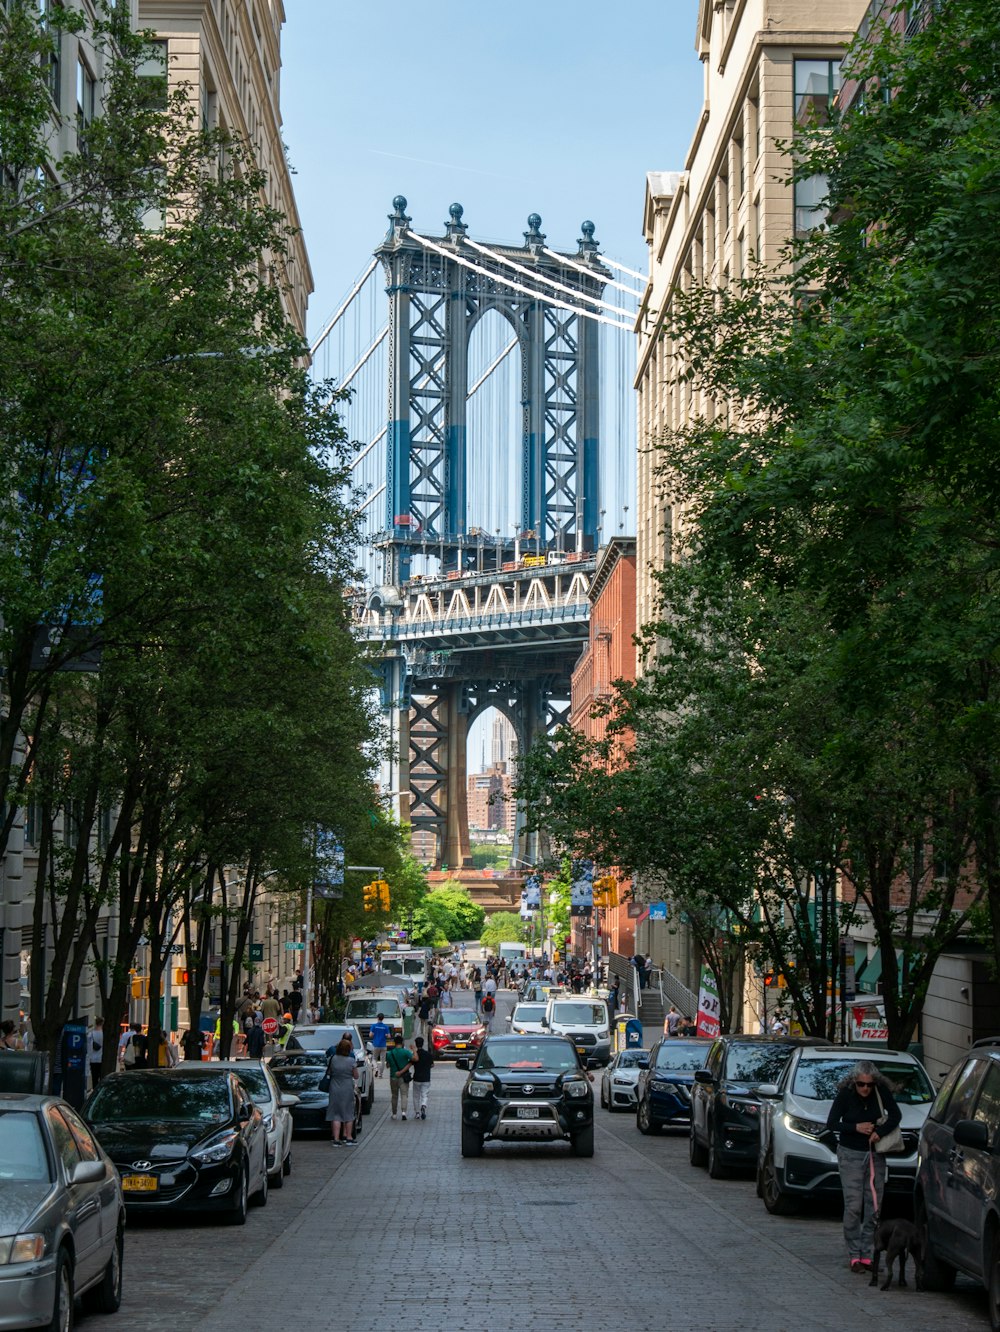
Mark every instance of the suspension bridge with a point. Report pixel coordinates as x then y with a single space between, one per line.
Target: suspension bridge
493 443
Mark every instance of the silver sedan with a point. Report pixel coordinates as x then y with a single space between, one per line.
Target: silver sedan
621 1077
62 1218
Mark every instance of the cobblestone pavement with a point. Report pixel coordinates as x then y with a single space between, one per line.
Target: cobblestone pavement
402 1231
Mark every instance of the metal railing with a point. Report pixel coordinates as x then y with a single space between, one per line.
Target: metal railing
674 991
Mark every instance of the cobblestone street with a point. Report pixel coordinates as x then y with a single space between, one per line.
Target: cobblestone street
403 1231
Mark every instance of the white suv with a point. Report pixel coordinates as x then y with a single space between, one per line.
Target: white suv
584 1019
798 1154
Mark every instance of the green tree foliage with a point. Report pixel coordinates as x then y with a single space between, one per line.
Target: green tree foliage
447 915
503 927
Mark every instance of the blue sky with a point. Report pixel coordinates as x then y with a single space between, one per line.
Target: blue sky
558 107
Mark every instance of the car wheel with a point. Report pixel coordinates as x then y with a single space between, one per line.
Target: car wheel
62 1308
277 1179
776 1200
604 1099
583 1142
370 1101
259 1199
286 1165
644 1120
238 1215
472 1142
106 1297
716 1169
937 1275
696 1152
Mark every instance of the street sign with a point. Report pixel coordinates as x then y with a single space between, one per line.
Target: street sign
270 1026
256 952
295 947
657 911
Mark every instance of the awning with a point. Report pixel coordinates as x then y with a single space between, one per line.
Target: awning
870 974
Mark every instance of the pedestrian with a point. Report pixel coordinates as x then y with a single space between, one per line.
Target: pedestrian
863 1111
133 1048
488 1008
399 1060
342 1070
95 1050
671 1022
639 962
421 1064
191 1045
8 1037
379 1033
256 1041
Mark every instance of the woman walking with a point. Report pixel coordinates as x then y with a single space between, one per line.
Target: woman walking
863 1111
342 1068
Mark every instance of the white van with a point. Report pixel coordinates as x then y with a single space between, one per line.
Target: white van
584 1019
363 1007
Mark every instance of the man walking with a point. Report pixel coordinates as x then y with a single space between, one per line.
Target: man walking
95 1050
399 1060
671 1022
422 1062
379 1033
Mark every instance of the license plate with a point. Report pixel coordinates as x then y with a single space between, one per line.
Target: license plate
140 1183
461 1045
581 1049
527 1112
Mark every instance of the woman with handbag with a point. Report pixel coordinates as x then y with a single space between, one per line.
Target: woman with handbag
865 1118
342 1072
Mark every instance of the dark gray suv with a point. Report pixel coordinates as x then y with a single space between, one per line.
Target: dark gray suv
957 1192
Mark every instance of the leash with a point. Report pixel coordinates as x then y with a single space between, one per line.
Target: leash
871 1180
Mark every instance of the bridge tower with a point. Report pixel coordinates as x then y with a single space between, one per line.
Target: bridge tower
434 683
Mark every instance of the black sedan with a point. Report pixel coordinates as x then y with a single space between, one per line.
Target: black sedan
527 1089
62 1216
183 1139
299 1072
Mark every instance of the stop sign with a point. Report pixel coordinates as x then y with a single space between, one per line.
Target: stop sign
270 1026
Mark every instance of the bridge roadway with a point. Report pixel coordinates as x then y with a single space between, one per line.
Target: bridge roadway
401 1232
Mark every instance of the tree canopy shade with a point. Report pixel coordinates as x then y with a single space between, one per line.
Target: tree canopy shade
816 732
173 493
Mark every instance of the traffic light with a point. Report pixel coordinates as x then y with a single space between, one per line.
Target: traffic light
140 987
371 896
181 975
383 894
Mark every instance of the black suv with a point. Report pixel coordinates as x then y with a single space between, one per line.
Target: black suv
956 1199
527 1089
725 1107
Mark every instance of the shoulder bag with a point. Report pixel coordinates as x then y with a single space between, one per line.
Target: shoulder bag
891 1141
324 1083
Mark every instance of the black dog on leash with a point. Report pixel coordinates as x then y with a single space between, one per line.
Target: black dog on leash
896 1239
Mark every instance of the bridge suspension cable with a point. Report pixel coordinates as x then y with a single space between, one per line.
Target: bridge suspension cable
494 364
359 365
550 282
582 268
623 268
519 286
332 323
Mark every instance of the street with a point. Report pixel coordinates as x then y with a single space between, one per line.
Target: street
402 1231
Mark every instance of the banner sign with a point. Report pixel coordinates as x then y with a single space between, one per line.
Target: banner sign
657 911
868 1025
581 890
708 1004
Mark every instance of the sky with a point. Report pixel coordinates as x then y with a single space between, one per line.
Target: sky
557 107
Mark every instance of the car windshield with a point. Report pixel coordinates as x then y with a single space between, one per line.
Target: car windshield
459 1017
133 1097
528 1013
322 1039
298 1077
23 1158
820 1079
528 1056
256 1082
368 1009
757 1063
681 1057
589 1014
633 1059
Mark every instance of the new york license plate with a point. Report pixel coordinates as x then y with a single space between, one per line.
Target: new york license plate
140 1183
527 1112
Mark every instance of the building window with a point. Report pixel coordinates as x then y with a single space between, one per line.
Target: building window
72 822
32 819
86 95
50 11
816 85
811 203
153 67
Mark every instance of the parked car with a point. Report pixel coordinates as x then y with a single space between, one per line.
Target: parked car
797 1155
527 1089
621 1077
526 1019
275 1105
663 1088
957 1193
299 1073
725 1103
63 1215
323 1037
585 1021
459 1031
184 1139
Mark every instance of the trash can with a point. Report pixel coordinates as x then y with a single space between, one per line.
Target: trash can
633 1034
25 1071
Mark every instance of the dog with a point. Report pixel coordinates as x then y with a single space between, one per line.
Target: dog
896 1239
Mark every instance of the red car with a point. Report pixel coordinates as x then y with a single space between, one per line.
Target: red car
459 1033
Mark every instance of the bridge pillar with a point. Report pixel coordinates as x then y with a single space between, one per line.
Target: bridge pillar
438 735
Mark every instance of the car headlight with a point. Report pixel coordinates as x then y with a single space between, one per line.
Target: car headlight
217 1148
575 1088
806 1128
661 1085
480 1088
269 1122
21 1248
743 1107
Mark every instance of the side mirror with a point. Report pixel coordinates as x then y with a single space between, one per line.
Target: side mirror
286 1100
462 1063
246 1113
704 1077
87 1172
545 1022
768 1089
972 1133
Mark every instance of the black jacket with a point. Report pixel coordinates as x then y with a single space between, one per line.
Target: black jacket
850 1108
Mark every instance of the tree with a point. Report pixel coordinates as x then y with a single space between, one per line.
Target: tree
503 927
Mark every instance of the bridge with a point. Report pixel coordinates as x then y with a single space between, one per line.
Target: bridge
478 419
